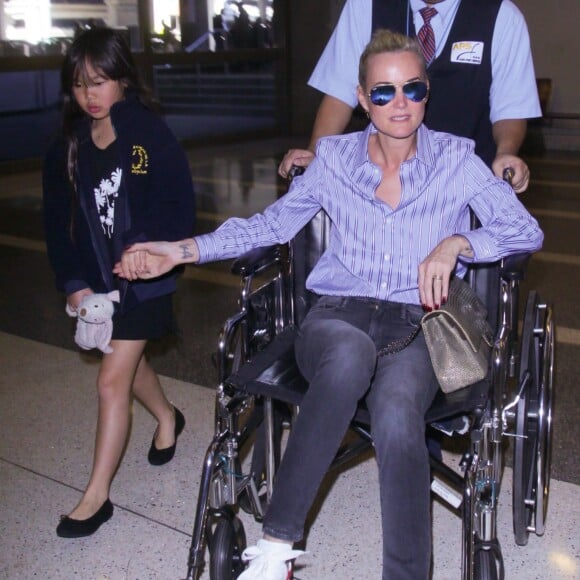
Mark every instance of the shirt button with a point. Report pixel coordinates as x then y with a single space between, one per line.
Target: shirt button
389 221
384 285
387 257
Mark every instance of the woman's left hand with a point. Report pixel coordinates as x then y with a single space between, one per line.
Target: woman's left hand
435 270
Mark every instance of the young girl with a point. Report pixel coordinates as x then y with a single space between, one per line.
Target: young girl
116 176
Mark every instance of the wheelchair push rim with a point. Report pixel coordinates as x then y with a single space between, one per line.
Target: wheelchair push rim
533 422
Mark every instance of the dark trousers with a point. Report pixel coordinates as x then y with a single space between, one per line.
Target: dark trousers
337 353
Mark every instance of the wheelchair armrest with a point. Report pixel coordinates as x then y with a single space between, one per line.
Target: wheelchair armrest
256 260
514 267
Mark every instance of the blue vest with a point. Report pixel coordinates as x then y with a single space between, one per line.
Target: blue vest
459 96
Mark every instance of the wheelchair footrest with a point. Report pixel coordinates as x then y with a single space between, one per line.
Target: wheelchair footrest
446 493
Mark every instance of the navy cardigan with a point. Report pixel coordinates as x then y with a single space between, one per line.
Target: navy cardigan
156 203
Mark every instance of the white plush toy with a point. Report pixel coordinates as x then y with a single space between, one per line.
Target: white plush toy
95 324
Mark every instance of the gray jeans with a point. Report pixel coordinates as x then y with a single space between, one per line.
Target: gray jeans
337 353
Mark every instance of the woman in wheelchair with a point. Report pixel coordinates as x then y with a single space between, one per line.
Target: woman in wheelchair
398 196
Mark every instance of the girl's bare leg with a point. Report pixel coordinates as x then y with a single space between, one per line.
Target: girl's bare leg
147 388
116 375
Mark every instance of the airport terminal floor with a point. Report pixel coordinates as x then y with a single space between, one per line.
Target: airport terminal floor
48 403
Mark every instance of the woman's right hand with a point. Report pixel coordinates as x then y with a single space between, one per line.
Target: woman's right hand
147 260
299 157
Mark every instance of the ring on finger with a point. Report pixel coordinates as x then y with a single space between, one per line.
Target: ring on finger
439 278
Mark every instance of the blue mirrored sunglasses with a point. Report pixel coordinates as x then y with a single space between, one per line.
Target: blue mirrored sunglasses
382 95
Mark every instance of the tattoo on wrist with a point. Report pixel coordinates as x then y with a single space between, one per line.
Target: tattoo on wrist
185 251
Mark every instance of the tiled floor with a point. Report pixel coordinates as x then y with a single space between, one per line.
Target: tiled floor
48 417
48 406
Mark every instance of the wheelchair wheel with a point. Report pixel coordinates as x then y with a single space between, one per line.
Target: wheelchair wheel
488 563
533 422
228 541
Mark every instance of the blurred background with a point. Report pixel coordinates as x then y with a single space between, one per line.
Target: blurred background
227 70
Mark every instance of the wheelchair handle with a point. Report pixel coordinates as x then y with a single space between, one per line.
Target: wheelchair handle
295 171
508 174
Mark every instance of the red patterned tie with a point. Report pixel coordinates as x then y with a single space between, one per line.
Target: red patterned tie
426 36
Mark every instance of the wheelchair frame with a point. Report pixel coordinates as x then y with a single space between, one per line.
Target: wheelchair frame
514 403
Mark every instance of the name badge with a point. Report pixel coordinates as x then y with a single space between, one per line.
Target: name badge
467 51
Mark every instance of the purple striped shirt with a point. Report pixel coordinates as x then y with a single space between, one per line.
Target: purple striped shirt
374 250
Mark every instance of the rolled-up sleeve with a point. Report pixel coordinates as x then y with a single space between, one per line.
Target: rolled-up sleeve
507 227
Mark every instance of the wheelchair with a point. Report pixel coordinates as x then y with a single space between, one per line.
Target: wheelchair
260 388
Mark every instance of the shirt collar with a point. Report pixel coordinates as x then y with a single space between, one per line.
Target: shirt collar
362 154
443 8
425 146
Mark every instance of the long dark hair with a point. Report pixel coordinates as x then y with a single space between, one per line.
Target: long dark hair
107 51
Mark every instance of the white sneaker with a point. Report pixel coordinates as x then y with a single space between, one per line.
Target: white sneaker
269 561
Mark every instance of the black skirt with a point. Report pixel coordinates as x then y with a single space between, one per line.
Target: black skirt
149 320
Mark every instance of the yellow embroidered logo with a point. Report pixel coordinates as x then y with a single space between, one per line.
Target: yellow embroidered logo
140 160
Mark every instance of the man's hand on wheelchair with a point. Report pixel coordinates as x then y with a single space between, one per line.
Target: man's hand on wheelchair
520 173
294 157
152 259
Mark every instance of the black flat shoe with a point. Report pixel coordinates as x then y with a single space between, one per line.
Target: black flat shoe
163 456
69 528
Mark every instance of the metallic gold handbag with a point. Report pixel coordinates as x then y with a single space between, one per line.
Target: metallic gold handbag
459 338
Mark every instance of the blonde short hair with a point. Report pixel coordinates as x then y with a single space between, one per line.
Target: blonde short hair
389 41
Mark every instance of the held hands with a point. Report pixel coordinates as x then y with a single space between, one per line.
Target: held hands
521 173
435 270
299 157
152 259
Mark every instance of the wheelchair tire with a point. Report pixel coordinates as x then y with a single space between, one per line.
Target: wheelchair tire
228 541
533 422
